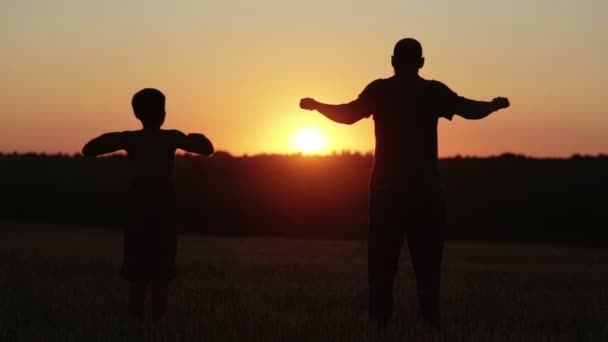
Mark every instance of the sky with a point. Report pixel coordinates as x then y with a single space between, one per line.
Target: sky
235 70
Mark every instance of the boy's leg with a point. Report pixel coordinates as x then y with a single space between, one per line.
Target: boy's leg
160 297
137 298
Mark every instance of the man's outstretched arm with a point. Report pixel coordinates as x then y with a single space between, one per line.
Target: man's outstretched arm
105 143
347 113
475 110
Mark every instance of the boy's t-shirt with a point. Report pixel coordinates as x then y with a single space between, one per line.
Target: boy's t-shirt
151 155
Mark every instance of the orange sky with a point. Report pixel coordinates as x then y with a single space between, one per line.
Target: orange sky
235 70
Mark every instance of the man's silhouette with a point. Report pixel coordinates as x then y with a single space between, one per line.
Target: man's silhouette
150 239
405 191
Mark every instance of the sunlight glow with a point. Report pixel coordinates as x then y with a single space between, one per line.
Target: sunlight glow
310 141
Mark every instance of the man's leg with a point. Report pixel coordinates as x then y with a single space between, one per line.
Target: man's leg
425 238
384 246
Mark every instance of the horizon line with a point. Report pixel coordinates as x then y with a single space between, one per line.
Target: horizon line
335 153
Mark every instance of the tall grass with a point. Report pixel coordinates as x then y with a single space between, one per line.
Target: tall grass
61 284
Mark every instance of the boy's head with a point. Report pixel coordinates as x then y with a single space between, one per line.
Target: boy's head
407 56
149 107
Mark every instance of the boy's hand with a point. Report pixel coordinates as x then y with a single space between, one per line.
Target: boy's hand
308 103
197 136
501 102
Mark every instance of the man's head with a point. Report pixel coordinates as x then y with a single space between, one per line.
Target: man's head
407 56
149 107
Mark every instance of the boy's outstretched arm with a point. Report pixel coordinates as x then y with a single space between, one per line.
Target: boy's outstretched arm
347 113
195 143
105 143
474 110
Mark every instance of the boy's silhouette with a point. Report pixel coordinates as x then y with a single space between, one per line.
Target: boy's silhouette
150 238
405 192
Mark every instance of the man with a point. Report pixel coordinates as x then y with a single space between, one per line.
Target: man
405 190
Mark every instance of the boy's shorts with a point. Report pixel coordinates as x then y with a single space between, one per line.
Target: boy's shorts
150 238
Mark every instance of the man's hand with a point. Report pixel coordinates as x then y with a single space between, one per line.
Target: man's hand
501 102
308 103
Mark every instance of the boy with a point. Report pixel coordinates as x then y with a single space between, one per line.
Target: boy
150 238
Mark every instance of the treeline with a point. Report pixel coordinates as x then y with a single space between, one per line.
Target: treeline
508 197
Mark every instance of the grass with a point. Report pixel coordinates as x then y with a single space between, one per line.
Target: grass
61 284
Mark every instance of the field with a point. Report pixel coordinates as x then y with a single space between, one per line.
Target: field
60 283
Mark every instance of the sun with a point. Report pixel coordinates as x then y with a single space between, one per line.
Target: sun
310 141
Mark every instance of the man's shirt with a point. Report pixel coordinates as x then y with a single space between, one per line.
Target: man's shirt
406 112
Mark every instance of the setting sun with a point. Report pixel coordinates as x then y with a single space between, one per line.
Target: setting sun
310 141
